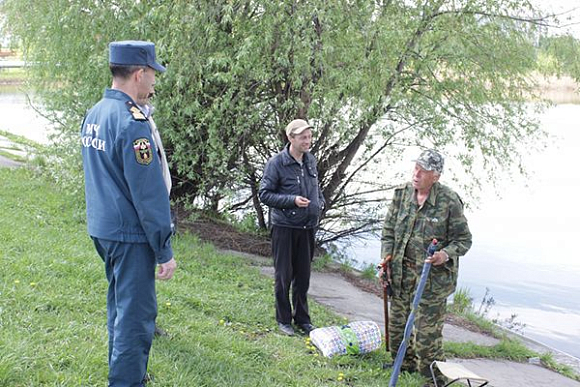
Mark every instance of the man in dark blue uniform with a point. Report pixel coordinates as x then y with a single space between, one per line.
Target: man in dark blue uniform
128 213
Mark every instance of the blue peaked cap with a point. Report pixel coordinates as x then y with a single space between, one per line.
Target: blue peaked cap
134 53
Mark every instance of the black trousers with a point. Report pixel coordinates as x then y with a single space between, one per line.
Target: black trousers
293 250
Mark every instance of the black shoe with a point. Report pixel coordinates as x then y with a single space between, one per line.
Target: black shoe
286 329
159 331
306 328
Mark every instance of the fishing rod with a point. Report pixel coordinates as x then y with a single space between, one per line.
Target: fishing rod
411 319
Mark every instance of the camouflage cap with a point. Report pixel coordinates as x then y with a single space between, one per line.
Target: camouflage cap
431 160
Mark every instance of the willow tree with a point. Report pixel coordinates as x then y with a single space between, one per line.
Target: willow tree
373 77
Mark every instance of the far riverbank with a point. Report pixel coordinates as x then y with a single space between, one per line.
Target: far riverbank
558 90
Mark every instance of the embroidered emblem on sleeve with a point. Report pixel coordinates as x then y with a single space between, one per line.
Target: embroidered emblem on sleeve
143 152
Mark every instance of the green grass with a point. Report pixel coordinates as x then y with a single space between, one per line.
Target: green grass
462 301
548 361
322 262
16 74
369 272
20 142
218 310
508 347
12 156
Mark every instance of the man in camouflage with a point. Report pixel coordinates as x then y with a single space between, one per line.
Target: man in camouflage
420 211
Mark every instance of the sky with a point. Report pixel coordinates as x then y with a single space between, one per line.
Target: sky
569 15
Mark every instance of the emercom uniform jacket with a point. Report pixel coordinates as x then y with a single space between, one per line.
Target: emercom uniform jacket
126 196
284 179
409 229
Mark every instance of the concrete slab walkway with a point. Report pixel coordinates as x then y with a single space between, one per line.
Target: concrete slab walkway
347 300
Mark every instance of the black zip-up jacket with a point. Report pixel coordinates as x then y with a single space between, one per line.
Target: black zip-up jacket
284 179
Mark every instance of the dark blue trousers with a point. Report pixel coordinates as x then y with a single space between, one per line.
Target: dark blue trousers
131 309
293 250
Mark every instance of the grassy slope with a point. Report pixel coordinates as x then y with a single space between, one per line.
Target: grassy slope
218 310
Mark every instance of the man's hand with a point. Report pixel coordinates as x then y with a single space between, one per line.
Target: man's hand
385 271
438 258
301 201
166 269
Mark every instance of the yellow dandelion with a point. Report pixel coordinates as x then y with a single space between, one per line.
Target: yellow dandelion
33 284
16 281
168 303
340 378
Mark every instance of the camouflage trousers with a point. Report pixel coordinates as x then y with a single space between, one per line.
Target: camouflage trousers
426 342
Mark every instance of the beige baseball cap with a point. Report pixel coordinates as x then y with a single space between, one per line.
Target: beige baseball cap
297 126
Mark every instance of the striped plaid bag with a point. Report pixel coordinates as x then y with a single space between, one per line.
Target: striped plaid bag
353 338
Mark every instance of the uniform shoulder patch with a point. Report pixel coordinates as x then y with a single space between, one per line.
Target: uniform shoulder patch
136 112
143 152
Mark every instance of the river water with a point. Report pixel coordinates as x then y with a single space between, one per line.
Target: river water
525 243
19 118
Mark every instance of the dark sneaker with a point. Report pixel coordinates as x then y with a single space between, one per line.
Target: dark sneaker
286 329
306 328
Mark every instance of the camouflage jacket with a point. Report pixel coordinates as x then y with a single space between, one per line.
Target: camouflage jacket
409 229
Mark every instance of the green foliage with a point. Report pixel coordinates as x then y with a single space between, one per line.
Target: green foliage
369 272
374 77
560 55
321 262
462 302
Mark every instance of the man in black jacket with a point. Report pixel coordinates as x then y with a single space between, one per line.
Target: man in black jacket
290 188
